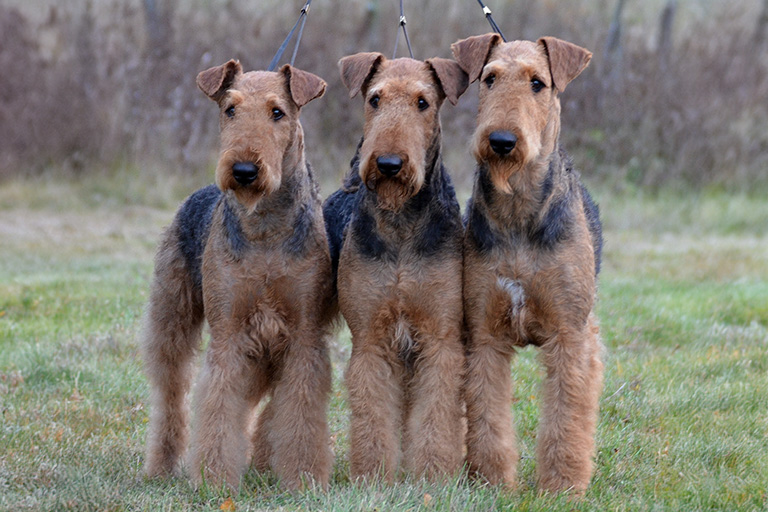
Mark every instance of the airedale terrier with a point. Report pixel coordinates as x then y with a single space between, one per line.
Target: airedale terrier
250 256
395 231
531 258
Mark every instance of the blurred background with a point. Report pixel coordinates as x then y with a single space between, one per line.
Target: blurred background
676 95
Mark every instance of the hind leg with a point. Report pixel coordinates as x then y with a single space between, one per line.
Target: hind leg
171 336
571 391
262 451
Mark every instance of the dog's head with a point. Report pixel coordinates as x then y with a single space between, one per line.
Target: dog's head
261 136
401 135
518 120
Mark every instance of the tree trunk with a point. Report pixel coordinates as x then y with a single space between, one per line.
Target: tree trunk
664 47
761 31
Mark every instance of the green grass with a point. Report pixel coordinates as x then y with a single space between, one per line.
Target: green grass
684 313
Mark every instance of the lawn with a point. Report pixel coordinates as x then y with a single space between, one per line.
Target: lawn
683 305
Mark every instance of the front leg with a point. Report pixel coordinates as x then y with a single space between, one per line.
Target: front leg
297 433
569 404
491 445
219 446
374 380
434 436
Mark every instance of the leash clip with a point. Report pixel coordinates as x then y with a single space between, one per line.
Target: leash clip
303 15
494 26
405 33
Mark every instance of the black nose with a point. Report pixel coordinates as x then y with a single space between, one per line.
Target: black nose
389 165
502 141
245 172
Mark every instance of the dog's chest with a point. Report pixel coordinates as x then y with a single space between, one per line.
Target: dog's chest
423 230
261 296
384 291
509 287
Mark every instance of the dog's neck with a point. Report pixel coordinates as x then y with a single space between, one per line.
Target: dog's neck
531 186
293 158
434 158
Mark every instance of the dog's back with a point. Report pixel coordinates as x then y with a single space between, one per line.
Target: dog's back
193 222
338 209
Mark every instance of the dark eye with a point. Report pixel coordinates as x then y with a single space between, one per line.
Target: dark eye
230 111
423 105
374 101
277 114
489 80
537 85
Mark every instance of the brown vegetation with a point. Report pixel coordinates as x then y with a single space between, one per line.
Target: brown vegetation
676 94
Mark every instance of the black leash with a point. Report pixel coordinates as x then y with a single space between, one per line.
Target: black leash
302 19
397 39
488 16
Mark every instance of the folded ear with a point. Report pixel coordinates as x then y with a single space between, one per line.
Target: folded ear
450 76
566 60
358 69
303 86
215 81
472 53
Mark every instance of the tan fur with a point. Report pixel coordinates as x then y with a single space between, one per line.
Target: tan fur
405 314
266 307
518 293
